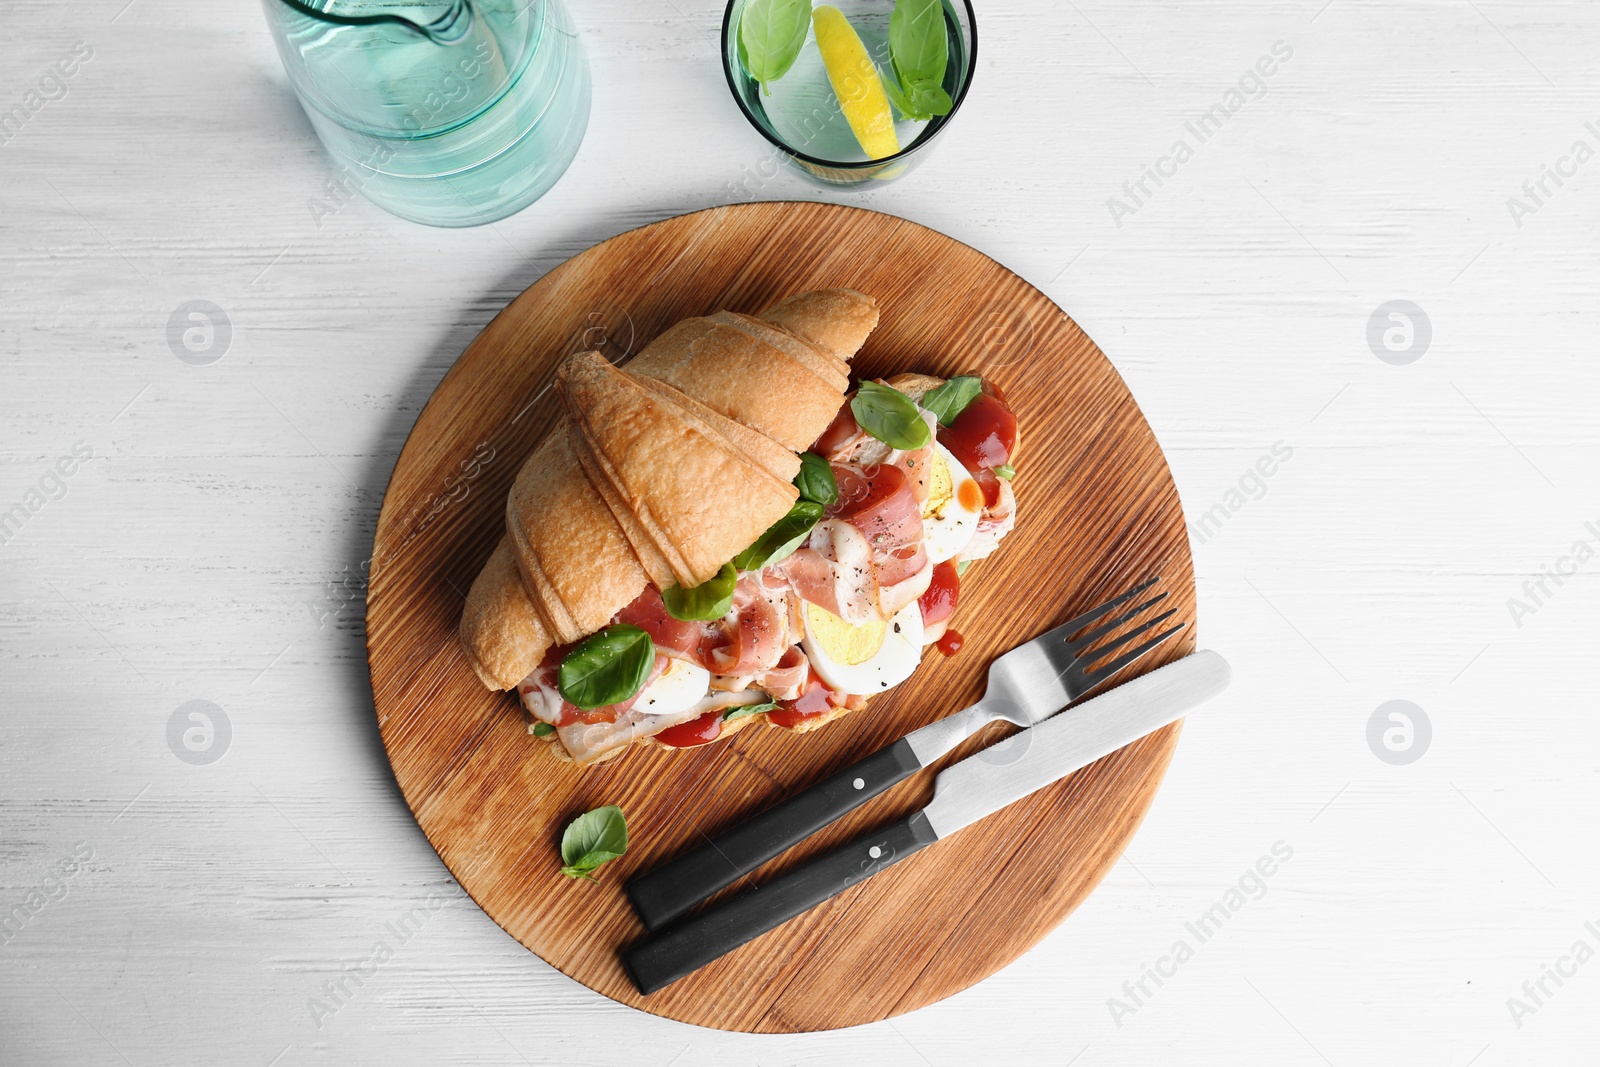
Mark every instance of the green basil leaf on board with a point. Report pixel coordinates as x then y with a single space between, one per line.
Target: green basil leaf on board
961 568
591 839
607 667
771 33
890 416
739 711
711 599
782 537
543 729
1006 471
815 480
952 398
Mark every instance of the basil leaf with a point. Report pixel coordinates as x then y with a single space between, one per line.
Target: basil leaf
890 416
815 480
961 568
711 599
771 33
897 97
739 711
782 537
917 101
1006 471
591 839
952 398
607 667
917 42
919 53
543 729
930 100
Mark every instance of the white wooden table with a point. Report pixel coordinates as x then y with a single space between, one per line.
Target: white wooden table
206 545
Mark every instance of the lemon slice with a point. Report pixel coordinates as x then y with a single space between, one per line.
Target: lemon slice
855 82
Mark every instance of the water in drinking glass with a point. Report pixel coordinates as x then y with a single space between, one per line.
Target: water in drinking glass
849 88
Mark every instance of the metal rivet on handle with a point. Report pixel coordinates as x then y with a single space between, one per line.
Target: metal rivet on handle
859 783
874 851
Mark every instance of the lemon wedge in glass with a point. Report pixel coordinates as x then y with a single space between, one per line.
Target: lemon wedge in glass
855 82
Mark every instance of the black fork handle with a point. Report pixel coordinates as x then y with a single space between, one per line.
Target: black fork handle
665 893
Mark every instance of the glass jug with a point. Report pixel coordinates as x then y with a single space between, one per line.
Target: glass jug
446 112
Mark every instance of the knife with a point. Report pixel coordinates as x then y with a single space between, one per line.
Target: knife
1029 683
964 792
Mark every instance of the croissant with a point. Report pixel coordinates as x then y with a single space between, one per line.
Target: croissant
576 551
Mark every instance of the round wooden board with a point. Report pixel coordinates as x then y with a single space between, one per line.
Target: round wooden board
1097 513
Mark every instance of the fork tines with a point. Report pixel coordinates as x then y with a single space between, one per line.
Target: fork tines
1078 674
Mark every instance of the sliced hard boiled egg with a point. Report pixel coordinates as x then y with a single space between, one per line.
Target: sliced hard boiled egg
863 659
680 687
954 505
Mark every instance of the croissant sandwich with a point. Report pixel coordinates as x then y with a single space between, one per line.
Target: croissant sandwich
725 533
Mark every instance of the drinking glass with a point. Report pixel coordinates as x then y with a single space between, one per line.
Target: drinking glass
802 117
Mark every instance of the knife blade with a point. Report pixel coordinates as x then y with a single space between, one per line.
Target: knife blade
965 792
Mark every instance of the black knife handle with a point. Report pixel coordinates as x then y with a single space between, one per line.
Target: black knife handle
663 958
661 895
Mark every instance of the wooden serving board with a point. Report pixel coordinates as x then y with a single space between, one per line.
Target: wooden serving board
1097 513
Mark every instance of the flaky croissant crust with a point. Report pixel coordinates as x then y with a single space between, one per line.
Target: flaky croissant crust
660 472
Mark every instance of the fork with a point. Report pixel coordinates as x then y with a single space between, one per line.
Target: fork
1025 686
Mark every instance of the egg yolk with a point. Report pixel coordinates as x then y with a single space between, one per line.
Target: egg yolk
940 486
844 643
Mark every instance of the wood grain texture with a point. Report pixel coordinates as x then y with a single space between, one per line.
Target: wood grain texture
1097 514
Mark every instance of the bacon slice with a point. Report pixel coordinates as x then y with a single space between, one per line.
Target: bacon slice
880 504
759 629
786 680
810 574
679 638
836 571
888 513
917 465
891 598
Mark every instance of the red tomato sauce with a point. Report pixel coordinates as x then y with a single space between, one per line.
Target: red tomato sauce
813 702
982 438
939 602
699 731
